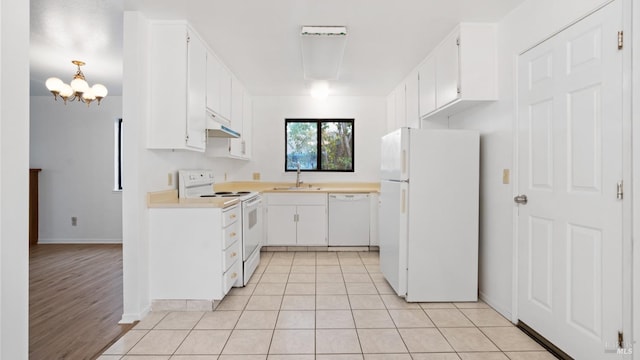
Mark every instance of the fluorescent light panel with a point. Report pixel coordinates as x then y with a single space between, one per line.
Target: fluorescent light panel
322 51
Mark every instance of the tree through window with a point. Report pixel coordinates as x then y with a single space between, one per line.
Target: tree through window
319 144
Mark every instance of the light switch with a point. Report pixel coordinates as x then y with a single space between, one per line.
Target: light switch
505 176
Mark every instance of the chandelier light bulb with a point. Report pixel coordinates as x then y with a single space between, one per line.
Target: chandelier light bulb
65 92
79 85
54 84
99 90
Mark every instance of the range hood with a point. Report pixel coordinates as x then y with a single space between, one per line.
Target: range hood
216 129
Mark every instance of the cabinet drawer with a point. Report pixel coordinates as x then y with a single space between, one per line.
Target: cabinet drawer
231 234
229 216
230 255
231 276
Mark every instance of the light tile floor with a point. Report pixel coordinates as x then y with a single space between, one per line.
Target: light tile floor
325 306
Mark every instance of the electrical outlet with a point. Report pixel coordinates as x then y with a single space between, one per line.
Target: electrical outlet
74 221
505 176
225 176
169 179
256 176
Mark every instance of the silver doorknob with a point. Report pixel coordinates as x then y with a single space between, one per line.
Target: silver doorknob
520 199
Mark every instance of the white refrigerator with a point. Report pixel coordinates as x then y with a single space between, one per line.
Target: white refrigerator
428 214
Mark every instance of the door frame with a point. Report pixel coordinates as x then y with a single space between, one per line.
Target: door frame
631 172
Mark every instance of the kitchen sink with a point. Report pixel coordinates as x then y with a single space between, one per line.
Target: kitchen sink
294 188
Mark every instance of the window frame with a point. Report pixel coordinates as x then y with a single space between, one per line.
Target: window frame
319 122
117 155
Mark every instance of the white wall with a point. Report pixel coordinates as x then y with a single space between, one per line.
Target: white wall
269 113
144 170
14 179
524 27
74 147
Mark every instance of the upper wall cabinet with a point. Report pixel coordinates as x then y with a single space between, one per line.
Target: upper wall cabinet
402 104
218 89
177 71
460 72
241 121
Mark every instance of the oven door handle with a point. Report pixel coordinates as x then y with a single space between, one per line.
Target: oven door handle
255 201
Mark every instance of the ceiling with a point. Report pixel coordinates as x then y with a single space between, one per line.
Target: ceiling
259 40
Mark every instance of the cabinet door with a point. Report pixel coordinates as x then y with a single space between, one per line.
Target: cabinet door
447 70
401 106
196 94
412 100
281 225
427 74
237 94
247 125
312 225
225 92
213 83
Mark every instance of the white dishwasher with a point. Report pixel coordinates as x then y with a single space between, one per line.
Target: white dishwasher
349 219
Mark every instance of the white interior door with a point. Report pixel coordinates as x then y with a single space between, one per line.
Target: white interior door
570 162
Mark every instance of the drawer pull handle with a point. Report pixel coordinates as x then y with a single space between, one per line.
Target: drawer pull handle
233 234
234 275
234 254
233 216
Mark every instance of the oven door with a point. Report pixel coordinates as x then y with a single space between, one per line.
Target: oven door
251 226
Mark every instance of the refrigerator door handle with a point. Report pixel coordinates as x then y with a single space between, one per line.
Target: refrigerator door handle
404 202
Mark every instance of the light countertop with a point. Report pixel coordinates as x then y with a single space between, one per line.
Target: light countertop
169 198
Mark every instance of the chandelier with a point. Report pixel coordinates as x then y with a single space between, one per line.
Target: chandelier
78 89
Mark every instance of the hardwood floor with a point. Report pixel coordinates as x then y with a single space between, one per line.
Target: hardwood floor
75 300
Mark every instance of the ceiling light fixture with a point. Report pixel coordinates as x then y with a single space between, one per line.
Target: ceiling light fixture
322 50
320 90
78 90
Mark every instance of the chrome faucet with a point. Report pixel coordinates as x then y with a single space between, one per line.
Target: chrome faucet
298 182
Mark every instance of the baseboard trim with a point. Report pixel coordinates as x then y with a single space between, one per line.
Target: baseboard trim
130 318
79 241
543 341
494 304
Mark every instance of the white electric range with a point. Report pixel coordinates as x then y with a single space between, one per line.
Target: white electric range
200 183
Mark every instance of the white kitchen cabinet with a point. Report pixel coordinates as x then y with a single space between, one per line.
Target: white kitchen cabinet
218 89
242 115
401 106
247 125
412 100
312 225
177 74
427 81
236 146
194 253
462 70
281 225
296 219
448 70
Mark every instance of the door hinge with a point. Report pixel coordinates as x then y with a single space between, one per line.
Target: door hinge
620 40
619 190
620 339
458 42
459 90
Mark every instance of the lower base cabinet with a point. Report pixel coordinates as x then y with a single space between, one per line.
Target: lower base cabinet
194 253
296 219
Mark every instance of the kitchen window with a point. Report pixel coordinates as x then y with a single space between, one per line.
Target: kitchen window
117 155
319 145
